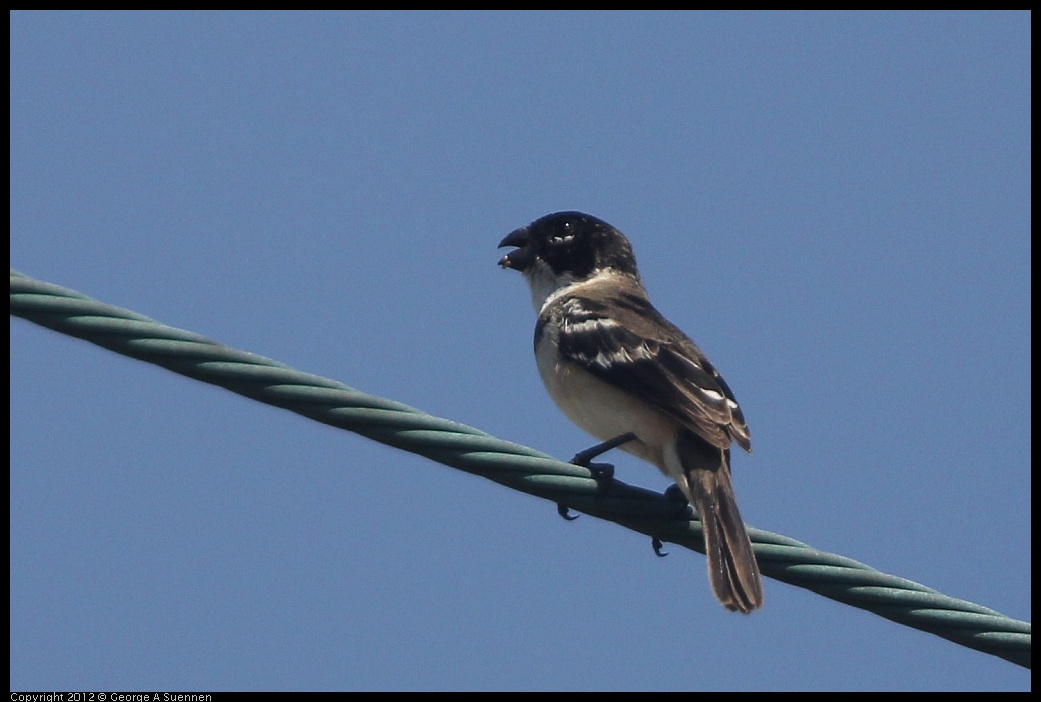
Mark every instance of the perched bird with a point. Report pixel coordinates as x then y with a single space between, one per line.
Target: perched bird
615 366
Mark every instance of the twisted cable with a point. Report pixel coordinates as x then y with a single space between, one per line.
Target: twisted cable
510 464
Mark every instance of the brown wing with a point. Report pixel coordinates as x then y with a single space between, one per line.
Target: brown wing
622 339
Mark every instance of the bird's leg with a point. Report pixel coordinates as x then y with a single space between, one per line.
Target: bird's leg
601 470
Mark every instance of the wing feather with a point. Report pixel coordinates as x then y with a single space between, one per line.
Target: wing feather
625 341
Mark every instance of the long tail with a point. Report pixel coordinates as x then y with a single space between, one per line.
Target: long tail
732 568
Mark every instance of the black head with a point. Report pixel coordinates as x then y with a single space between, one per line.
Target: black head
570 242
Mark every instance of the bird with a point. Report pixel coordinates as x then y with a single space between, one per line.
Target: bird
622 372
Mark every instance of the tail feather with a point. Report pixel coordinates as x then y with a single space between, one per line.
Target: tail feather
732 568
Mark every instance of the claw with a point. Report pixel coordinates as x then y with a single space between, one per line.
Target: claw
564 511
657 545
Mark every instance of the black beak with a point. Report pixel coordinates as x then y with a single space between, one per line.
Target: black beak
522 257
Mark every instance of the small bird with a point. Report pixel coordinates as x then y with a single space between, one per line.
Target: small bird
621 371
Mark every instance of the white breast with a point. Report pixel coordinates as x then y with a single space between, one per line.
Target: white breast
600 408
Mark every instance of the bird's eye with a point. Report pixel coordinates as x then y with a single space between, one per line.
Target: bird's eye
566 234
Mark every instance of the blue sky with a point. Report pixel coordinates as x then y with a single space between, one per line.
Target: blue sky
836 207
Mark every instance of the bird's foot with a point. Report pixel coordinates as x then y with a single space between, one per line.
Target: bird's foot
601 471
674 495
